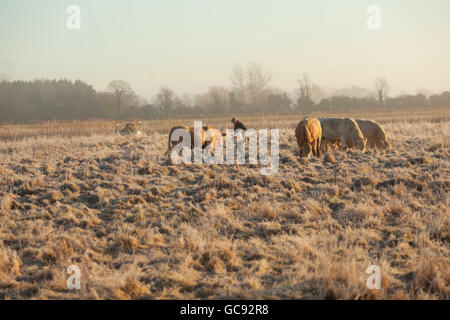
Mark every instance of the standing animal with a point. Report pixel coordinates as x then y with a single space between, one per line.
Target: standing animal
309 134
207 136
342 130
374 133
172 142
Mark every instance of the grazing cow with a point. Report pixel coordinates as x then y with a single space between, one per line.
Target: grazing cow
309 135
344 131
374 133
208 136
172 142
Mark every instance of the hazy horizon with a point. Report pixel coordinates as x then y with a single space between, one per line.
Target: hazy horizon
190 46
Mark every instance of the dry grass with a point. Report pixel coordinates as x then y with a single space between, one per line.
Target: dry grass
139 227
66 129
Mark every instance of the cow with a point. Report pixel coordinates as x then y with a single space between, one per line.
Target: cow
172 142
309 134
344 131
374 134
207 135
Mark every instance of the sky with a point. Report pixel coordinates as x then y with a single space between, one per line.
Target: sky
191 45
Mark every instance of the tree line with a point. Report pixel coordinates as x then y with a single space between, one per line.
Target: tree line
250 93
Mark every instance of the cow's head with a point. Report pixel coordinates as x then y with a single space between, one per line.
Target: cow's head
358 142
361 144
387 145
305 150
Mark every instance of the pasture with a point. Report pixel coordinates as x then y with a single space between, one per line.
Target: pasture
141 228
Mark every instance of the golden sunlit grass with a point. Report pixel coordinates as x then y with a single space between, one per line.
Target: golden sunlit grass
141 228
74 128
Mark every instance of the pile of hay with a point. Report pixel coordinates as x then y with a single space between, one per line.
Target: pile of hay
129 129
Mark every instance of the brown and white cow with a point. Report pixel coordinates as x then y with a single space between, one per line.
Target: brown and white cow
206 136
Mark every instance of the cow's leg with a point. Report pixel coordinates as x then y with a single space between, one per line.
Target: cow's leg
344 143
324 145
318 147
213 148
305 150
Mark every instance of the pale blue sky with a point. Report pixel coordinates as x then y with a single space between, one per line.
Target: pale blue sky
190 45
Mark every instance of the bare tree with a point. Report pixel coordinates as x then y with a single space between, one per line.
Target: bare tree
166 99
122 91
257 78
250 84
238 81
216 100
305 86
382 88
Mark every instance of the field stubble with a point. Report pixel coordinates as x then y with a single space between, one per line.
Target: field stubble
139 227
